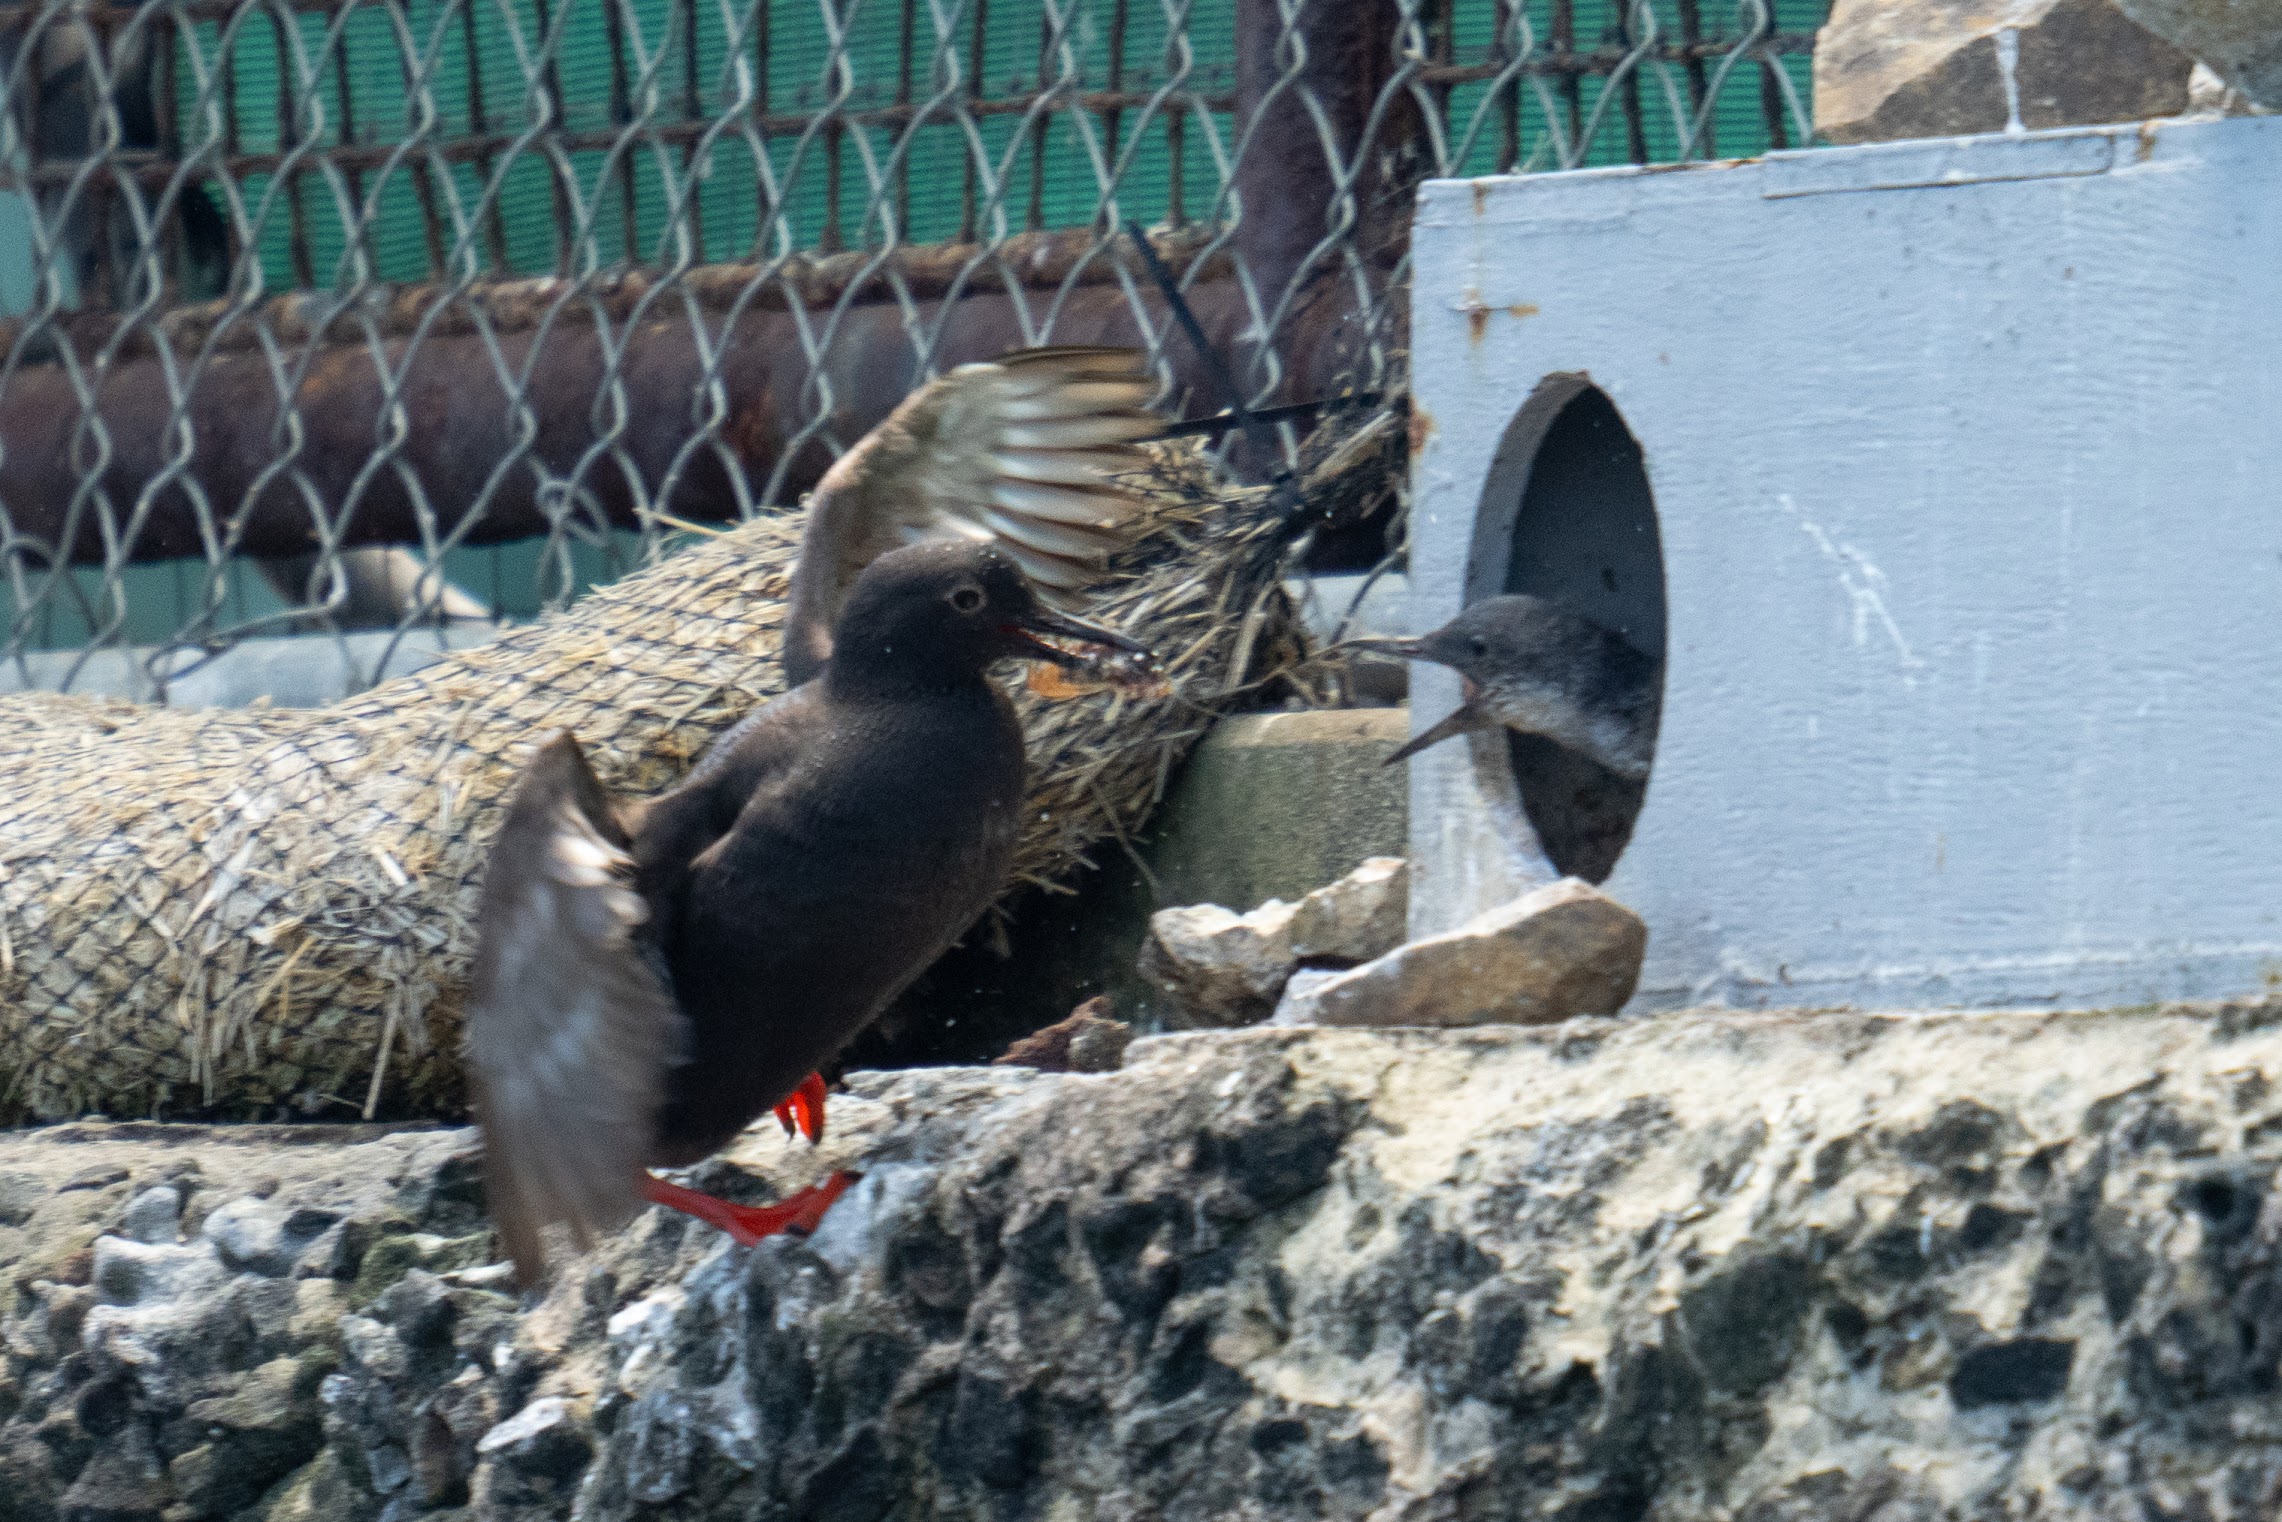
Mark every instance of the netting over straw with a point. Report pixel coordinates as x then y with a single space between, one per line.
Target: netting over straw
234 910
354 321
496 283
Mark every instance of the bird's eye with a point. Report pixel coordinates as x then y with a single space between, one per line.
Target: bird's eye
1481 645
967 599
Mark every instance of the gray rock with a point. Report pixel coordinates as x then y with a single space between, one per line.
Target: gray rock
534 1457
387 1467
1767 1267
249 1234
491 1276
265 1237
391 1256
122 1482
2241 40
419 1308
1563 950
1297 1000
1361 916
332 1253
1937 68
47 1325
534 1434
374 1348
20 1195
445 1433
322 1490
1217 967
95 1176
130 1273
154 1217
256 1436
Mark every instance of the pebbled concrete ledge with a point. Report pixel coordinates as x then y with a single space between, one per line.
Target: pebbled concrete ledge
1709 1265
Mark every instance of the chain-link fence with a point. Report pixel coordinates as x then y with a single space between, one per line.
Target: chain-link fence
407 316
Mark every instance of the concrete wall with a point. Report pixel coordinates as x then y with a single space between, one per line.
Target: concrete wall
1967 462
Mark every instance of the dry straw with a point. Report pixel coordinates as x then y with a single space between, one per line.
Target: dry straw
229 911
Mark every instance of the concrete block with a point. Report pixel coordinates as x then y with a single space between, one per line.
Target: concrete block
1942 474
1276 805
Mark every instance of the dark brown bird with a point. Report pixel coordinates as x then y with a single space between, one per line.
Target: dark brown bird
651 977
1534 667
654 977
1019 452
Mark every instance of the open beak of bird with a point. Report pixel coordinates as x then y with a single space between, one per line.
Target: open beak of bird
1409 650
1380 644
1080 658
1462 720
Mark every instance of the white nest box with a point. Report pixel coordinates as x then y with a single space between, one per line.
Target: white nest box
1947 478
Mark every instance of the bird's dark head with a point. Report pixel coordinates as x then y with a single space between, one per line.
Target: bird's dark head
948 610
1494 636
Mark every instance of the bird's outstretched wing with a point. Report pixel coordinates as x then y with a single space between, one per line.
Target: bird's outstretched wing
1018 451
570 1030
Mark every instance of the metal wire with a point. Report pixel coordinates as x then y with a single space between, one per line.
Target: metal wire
382 320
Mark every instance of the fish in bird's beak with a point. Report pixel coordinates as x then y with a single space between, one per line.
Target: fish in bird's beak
1082 657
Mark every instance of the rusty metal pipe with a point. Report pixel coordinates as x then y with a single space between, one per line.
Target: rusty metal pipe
461 422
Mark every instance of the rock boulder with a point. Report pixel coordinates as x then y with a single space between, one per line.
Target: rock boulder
1216 967
2240 40
1939 68
1774 1267
1564 949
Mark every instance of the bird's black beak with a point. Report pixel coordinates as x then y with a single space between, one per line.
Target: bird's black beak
1088 657
1379 644
1042 625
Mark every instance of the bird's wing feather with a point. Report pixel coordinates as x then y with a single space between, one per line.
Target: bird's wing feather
1021 451
570 1030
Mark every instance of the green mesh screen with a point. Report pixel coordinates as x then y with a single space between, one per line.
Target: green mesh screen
686 141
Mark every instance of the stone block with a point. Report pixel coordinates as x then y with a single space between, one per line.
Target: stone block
1269 805
1944 68
1359 917
1275 805
2240 40
1566 949
1217 967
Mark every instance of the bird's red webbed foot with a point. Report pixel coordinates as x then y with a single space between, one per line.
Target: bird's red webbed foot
798 1212
803 1109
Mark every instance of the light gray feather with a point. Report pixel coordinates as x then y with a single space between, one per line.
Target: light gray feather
1021 450
570 1029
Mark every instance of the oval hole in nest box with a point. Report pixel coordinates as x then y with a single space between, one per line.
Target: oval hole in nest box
1567 516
